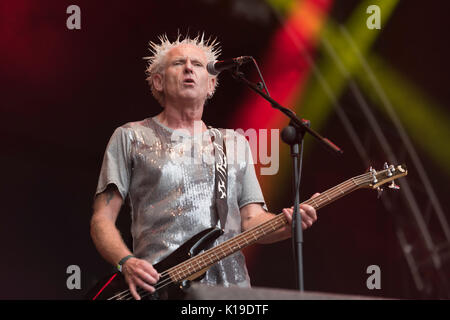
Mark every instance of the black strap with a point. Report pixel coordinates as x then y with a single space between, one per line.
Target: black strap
221 175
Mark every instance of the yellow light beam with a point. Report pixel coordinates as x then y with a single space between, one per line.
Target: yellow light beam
316 103
424 119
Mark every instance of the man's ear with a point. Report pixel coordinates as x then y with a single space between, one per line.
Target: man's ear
211 85
157 81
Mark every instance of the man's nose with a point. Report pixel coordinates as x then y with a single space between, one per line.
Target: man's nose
188 67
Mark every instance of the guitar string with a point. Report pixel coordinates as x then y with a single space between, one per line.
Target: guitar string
164 274
157 286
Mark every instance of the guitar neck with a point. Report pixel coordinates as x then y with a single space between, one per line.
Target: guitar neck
204 260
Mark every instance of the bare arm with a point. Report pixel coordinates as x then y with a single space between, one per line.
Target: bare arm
104 233
110 244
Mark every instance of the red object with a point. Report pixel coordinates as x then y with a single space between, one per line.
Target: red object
103 288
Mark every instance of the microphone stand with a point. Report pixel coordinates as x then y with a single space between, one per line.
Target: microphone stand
293 136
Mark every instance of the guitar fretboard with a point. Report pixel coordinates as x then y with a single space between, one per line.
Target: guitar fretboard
209 257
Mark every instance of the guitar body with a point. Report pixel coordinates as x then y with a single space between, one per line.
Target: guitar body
114 286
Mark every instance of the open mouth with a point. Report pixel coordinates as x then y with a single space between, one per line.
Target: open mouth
188 81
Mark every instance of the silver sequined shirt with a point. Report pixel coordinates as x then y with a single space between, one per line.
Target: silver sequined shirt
168 178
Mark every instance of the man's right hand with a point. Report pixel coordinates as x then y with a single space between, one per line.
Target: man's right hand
139 272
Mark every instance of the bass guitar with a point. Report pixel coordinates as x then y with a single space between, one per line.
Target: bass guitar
190 261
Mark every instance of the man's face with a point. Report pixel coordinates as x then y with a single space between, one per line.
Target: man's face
185 77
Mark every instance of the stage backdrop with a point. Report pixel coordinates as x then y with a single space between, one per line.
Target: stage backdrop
371 77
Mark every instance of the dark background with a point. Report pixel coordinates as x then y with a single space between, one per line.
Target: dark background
64 92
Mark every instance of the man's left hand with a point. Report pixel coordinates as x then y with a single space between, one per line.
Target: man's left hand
308 214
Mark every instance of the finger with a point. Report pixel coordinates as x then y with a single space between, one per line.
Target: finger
133 291
305 218
309 211
146 277
309 223
315 195
288 215
144 285
150 270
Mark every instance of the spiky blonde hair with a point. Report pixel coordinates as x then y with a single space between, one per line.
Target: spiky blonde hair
159 51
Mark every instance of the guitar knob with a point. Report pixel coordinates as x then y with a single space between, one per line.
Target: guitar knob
380 191
185 284
394 186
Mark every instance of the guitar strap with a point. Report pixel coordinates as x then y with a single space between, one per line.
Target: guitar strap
221 175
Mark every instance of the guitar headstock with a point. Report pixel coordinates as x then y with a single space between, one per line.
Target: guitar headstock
375 179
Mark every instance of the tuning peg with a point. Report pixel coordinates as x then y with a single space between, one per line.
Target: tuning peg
374 175
380 191
389 168
394 186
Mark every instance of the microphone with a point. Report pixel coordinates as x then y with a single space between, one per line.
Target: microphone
214 68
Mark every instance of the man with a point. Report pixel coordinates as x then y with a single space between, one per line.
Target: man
173 200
